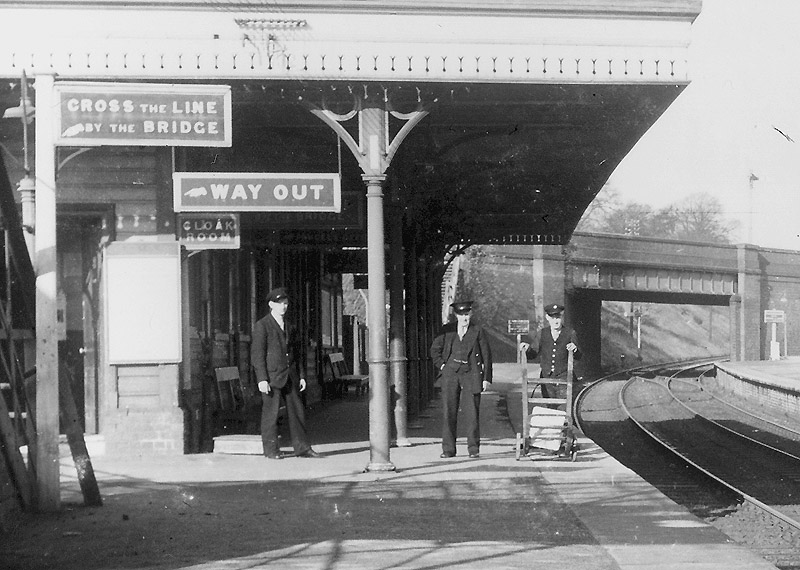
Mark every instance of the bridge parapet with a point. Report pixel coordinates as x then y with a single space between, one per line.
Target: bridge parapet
624 263
620 250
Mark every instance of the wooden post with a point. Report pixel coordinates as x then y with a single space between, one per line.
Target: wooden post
77 445
570 378
47 466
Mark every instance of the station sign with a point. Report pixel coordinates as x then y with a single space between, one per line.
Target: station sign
256 192
774 316
519 327
351 216
209 231
142 114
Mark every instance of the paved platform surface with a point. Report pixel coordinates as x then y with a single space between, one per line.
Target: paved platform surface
783 373
243 511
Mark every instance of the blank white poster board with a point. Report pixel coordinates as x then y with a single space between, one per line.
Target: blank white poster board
143 302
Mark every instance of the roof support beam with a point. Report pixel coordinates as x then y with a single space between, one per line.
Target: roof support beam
374 151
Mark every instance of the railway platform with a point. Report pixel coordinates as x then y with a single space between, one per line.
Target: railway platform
226 511
783 373
773 385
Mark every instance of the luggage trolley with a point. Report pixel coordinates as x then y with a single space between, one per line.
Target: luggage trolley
544 427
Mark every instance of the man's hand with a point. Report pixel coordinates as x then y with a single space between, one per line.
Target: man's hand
302 384
263 386
486 385
572 347
524 346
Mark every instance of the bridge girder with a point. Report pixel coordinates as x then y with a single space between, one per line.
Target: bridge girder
616 282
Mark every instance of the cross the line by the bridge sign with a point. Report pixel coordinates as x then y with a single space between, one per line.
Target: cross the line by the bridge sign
256 192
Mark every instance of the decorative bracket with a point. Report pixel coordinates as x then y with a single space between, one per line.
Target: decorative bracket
373 150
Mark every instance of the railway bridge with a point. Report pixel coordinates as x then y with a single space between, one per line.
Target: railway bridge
597 267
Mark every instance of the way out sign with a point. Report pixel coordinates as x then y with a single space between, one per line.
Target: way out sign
256 192
209 231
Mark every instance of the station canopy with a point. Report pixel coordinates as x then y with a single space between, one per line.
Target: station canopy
490 163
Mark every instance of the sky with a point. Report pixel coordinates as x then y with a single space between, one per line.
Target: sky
745 69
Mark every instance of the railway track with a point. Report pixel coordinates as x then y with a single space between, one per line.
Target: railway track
728 465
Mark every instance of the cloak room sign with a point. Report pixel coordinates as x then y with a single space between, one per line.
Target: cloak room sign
209 231
256 192
142 114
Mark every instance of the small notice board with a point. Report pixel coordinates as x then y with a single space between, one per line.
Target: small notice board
209 231
774 316
519 326
143 302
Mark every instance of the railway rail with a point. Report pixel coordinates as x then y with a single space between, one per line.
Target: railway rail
723 461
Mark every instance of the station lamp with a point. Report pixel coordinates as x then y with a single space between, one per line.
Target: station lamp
25 112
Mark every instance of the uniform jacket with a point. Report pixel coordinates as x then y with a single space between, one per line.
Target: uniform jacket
480 355
274 353
553 353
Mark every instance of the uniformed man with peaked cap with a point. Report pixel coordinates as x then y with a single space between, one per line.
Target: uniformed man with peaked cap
275 355
555 343
463 359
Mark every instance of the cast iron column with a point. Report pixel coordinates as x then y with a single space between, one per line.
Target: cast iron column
378 369
374 152
412 330
397 328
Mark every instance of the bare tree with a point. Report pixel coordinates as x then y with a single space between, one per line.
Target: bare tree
604 203
631 219
699 218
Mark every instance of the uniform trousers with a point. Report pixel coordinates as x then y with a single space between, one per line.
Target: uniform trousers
452 385
295 412
554 390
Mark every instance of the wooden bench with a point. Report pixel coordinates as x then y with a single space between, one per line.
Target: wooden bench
342 379
232 398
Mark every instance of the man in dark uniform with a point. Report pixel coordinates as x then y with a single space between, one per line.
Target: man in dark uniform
554 345
462 357
275 355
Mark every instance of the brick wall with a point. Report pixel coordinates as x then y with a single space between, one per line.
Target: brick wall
147 419
138 432
781 399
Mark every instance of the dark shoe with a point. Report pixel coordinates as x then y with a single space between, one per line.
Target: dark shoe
447 455
474 455
310 453
273 455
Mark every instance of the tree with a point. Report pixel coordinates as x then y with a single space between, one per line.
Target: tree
699 218
604 203
630 219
